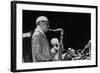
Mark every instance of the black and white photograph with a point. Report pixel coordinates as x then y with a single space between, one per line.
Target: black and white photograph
53 36
56 36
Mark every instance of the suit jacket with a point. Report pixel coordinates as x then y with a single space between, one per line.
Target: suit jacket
40 47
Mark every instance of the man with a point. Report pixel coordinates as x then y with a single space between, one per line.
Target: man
40 46
55 49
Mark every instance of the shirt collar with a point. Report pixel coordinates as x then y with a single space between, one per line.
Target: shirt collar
38 29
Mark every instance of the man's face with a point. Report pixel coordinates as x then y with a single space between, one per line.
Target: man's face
55 43
55 46
44 25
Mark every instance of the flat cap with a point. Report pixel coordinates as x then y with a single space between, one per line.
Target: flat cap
41 18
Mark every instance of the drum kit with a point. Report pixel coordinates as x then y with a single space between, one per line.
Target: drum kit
70 53
79 54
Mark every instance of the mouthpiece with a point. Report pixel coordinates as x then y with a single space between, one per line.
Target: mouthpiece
50 29
58 29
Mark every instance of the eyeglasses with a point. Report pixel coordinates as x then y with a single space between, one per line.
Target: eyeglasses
55 45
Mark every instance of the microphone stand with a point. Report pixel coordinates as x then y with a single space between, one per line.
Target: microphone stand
61 48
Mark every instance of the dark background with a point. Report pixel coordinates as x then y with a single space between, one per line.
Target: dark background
76 26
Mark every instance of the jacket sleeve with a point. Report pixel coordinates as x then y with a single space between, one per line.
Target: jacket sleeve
37 47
